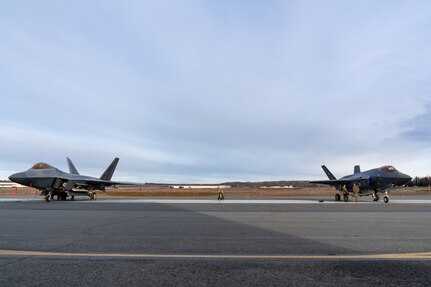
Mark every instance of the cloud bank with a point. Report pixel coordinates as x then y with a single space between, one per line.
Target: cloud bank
200 91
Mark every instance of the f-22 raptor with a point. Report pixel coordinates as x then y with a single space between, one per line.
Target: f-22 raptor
52 181
370 182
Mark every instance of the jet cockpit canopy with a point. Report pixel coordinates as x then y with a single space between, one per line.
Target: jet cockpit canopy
387 169
41 165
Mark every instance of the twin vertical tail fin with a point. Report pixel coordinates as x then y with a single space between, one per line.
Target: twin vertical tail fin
357 169
328 173
72 168
107 175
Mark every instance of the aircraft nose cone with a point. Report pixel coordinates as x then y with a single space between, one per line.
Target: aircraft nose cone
406 178
19 177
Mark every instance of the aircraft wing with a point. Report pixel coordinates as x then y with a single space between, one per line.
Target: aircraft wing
338 182
100 184
330 182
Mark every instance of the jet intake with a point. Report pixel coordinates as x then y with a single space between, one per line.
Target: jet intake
365 183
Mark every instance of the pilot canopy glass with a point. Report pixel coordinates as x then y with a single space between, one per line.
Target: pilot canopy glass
41 165
387 169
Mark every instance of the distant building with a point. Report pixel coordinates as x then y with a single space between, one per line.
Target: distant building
9 184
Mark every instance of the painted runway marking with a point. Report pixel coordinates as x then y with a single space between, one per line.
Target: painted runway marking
401 256
415 201
19 199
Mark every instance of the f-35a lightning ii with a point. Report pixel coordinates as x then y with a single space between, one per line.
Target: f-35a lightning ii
370 182
52 181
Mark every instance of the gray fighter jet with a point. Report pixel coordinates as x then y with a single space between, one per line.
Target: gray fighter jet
53 182
370 182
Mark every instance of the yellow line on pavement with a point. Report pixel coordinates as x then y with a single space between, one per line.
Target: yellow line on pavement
422 255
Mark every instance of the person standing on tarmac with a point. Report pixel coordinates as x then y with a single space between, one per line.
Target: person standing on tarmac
345 193
356 191
220 194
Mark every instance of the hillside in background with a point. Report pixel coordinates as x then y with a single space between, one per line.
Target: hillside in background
251 184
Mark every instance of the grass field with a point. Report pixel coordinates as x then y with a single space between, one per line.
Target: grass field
160 191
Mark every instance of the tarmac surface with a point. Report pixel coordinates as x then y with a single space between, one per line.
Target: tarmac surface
202 242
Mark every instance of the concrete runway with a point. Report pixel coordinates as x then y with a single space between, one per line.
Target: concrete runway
195 242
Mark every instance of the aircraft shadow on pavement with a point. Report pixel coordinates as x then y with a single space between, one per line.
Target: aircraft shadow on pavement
143 228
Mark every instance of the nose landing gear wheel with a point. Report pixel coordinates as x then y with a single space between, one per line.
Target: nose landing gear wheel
337 197
386 199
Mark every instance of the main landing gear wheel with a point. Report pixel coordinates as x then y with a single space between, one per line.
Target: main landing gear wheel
337 197
386 199
93 196
48 197
72 197
346 198
376 198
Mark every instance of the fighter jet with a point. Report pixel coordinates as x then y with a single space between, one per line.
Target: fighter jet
371 182
51 181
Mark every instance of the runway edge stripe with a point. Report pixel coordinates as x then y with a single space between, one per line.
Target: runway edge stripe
421 255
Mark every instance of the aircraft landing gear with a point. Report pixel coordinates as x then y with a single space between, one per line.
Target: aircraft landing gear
48 197
92 195
376 197
72 197
337 197
386 197
346 197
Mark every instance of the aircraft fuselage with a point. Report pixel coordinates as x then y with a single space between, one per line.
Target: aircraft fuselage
370 182
52 181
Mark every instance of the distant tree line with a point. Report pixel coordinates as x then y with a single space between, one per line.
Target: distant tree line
257 184
420 181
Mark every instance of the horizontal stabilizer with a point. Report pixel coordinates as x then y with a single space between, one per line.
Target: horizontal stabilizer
107 175
72 168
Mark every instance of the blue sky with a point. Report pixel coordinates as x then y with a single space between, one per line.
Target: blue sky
210 91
